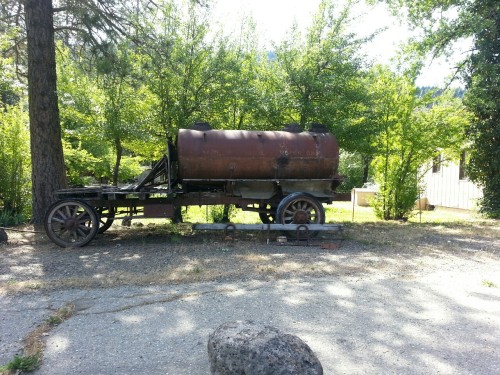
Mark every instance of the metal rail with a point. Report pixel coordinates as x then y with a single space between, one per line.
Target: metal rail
273 227
303 232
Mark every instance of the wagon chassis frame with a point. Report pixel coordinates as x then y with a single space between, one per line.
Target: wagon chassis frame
102 205
148 200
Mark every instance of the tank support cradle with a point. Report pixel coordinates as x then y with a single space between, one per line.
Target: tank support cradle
303 232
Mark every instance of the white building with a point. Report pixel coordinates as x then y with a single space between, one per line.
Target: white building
446 185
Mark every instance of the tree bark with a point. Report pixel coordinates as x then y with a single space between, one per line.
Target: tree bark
48 172
119 153
366 167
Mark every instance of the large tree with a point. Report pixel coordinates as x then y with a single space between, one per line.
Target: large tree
444 23
323 70
483 99
47 159
186 68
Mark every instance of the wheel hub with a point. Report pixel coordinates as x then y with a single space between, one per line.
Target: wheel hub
70 224
300 217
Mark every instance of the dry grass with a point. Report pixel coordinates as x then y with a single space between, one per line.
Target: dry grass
159 253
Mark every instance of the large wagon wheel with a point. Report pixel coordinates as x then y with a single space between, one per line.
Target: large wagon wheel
269 216
106 217
300 208
71 222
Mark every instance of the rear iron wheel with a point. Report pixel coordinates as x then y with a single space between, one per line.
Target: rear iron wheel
71 223
300 208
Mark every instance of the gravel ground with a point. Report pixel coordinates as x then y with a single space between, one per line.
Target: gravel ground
393 298
151 255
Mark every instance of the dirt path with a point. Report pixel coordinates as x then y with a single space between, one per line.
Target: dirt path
424 298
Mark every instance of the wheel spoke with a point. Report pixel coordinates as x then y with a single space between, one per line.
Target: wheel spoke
59 231
57 220
61 214
85 227
105 216
70 211
83 216
81 232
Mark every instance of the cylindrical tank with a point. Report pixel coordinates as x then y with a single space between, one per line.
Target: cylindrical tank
242 154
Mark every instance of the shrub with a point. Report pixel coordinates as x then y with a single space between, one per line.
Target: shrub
15 168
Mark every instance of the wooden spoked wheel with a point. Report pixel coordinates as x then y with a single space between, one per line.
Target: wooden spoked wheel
71 223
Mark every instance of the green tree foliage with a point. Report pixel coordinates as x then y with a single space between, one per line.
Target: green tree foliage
86 153
239 101
352 166
483 99
444 23
410 129
104 115
322 72
184 67
14 142
127 106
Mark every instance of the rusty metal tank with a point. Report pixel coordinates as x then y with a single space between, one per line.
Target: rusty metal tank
256 155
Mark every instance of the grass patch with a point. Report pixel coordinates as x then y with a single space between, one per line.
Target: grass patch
337 212
25 364
197 270
201 214
343 212
34 344
489 284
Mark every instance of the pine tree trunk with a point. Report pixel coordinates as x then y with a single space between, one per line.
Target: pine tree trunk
48 172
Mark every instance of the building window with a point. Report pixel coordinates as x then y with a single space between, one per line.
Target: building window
436 164
462 173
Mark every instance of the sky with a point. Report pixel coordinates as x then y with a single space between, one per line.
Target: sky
275 17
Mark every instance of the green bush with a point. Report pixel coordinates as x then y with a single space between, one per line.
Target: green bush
221 214
9 218
15 168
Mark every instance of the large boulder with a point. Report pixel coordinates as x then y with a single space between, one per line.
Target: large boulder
248 348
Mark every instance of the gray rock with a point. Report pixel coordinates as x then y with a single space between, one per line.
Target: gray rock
248 348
